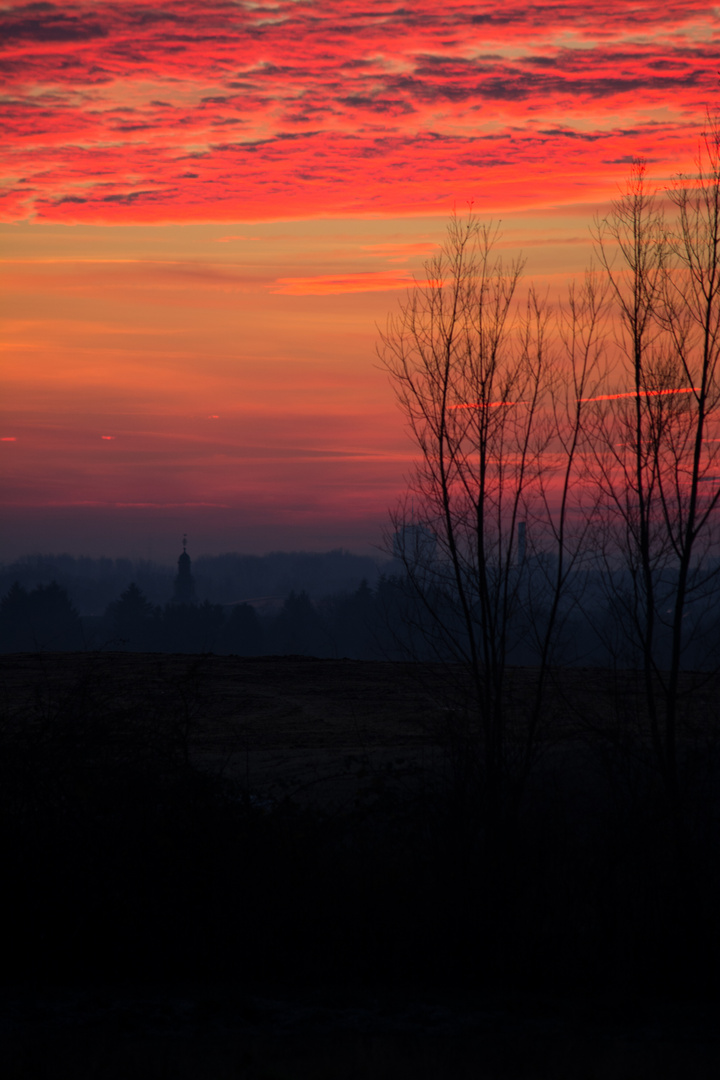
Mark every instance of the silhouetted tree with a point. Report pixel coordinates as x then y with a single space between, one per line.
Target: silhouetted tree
15 622
133 621
193 628
299 629
43 619
489 403
657 452
243 632
354 623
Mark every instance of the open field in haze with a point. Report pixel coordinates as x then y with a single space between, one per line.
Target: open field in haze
321 731
277 727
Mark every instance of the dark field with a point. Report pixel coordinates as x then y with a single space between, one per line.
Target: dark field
321 732
282 867
278 727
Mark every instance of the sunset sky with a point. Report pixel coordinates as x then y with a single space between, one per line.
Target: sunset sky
206 210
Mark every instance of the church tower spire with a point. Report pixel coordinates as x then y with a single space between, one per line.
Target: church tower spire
184 585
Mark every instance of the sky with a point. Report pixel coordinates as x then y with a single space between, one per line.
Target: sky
207 211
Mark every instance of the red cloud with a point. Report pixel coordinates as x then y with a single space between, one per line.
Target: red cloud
134 111
327 284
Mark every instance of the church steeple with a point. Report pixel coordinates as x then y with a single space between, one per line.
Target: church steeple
184 585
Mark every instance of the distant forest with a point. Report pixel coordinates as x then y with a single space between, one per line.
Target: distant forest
282 602
333 604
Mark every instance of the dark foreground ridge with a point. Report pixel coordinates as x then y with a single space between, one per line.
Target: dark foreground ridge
283 867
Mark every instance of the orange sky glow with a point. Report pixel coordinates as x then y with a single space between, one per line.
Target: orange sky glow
207 210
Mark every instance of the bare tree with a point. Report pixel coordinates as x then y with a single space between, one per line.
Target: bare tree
628 421
656 452
498 426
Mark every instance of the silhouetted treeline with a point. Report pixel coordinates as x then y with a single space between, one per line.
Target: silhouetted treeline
364 624
133 623
386 621
45 619
39 620
92 584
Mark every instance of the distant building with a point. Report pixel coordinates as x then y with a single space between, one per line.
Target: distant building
415 545
184 585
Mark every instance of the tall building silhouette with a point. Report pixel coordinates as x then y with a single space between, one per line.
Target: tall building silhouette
184 585
415 545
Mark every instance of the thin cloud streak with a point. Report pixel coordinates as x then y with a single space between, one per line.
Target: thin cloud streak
335 284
